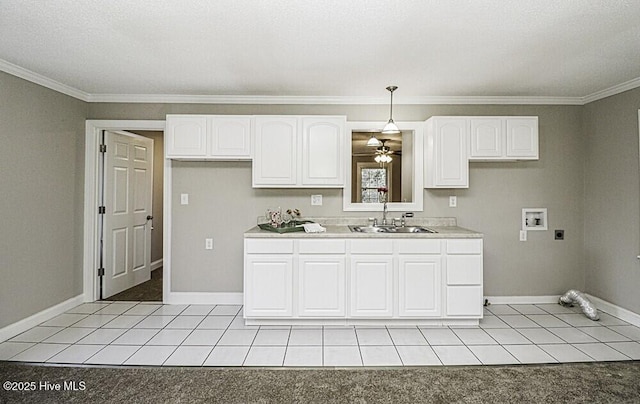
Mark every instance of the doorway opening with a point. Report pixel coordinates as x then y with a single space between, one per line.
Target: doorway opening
123 227
134 274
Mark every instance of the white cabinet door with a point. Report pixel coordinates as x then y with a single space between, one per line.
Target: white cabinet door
268 285
419 292
486 138
321 286
371 290
276 151
186 136
230 137
522 138
446 153
464 301
322 145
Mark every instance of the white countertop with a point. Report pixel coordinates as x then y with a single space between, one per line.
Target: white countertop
343 231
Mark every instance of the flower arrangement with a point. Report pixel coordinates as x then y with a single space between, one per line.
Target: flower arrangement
382 194
295 213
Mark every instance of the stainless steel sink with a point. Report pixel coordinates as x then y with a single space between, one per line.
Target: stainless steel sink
390 229
412 229
369 229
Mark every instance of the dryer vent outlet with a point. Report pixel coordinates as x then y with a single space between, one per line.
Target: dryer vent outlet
559 234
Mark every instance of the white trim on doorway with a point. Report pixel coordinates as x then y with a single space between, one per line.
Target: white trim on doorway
93 129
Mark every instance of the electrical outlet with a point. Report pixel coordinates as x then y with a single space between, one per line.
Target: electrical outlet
184 199
208 244
316 200
453 201
523 235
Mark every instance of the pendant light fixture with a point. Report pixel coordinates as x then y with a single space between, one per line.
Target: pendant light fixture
391 127
374 142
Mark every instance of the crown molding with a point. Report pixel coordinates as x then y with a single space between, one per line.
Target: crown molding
327 100
608 92
36 78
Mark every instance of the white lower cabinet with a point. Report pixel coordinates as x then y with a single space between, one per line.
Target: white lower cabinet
268 285
321 286
371 286
463 290
419 286
289 281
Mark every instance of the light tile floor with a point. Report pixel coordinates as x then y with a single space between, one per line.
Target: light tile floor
141 333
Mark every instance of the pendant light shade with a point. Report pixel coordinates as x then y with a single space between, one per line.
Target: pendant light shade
374 142
391 127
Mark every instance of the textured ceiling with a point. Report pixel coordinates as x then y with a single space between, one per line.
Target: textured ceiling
332 48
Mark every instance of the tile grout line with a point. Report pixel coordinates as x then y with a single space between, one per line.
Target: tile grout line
286 347
575 328
394 345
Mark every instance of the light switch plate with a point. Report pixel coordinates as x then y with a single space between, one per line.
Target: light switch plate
453 201
316 200
523 235
208 244
184 199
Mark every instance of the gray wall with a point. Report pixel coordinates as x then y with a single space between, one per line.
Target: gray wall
41 183
223 204
587 177
612 212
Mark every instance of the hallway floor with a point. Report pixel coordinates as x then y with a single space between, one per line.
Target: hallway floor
142 333
149 291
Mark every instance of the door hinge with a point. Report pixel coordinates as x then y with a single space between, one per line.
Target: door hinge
102 210
103 148
100 271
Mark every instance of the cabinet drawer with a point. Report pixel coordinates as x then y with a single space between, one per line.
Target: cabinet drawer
467 246
371 246
464 270
264 246
322 246
418 246
464 301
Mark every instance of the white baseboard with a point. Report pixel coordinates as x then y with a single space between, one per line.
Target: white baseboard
203 298
156 264
21 326
522 299
616 311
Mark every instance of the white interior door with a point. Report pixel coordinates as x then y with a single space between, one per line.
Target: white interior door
128 183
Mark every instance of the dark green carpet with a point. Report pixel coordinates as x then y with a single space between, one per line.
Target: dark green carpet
603 382
149 291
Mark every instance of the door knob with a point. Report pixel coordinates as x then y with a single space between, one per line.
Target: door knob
149 217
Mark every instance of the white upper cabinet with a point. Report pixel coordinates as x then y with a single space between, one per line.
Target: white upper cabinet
230 136
208 137
522 138
298 152
452 141
276 149
186 136
322 151
487 138
446 157
503 138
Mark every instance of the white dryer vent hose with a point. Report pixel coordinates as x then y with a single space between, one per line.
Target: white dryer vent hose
574 296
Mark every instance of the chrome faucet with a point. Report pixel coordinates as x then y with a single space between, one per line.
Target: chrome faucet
403 221
384 213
